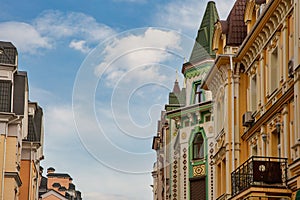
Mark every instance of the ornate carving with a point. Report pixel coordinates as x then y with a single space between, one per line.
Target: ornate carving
199 170
270 27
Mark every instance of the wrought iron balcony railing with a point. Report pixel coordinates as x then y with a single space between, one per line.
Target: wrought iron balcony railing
259 171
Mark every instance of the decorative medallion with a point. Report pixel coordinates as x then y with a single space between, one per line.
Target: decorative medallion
199 170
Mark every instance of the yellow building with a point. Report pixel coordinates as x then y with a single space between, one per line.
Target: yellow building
21 131
255 86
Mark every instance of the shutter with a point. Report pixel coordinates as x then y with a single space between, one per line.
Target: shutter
198 189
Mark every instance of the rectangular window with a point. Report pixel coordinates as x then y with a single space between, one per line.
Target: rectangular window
274 71
207 118
254 150
5 96
198 98
253 94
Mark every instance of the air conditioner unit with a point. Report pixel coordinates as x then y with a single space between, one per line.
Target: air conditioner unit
247 119
291 68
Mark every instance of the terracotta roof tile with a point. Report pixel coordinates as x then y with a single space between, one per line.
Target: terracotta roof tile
237 29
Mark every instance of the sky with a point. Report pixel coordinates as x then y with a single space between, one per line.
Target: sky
102 71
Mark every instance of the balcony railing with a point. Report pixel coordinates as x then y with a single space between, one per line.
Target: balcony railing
259 171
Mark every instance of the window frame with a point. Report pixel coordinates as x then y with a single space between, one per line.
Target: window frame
200 147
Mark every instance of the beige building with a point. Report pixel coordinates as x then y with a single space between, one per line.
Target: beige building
21 131
255 86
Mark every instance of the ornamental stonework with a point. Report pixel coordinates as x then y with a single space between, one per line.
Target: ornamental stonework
199 170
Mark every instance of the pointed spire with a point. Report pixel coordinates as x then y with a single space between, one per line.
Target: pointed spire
176 88
203 44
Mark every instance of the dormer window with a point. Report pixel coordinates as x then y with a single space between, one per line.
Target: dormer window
198 147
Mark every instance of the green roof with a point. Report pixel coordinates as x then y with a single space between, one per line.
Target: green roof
203 44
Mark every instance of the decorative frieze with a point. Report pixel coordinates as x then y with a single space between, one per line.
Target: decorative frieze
271 26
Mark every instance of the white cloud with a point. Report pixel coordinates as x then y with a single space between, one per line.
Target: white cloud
24 36
56 24
80 46
138 56
79 30
186 15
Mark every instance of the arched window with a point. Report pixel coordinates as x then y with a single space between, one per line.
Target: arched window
198 147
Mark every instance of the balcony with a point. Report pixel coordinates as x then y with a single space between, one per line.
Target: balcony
259 172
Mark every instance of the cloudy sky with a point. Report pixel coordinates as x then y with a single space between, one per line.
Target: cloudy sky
102 71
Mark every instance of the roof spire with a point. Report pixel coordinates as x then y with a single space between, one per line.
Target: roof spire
176 88
203 44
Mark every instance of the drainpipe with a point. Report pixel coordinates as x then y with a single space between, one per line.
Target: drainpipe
232 113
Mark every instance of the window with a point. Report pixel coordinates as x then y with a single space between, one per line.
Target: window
253 94
198 147
274 71
254 150
207 118
198 97
278 145
5 96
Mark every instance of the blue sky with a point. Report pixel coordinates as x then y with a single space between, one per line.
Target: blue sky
102 71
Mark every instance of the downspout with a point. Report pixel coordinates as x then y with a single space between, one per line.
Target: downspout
232 114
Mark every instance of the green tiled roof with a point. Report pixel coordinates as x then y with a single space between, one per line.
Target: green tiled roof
203 44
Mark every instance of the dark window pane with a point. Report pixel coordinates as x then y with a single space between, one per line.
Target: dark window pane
198 147
5 96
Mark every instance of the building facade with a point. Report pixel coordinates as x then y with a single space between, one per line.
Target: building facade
255 88
21 131
58 186
185 131
253 148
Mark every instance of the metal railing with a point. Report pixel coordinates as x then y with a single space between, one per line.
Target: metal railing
259 171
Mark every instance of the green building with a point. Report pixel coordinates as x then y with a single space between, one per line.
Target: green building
185 131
